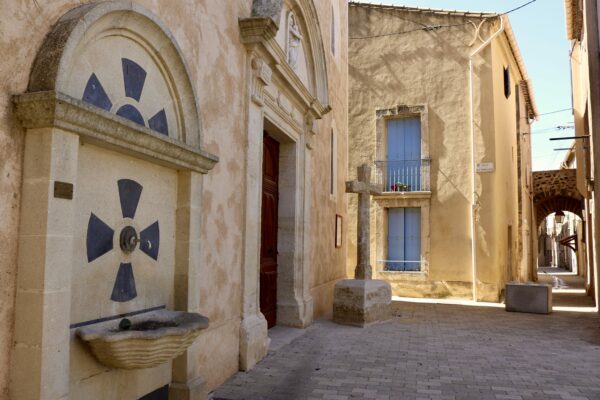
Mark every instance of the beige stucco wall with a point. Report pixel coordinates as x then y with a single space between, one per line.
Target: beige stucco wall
208 35
327 262
513 165
431 68
579 76
584 107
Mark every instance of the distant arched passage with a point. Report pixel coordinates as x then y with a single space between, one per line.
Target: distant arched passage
549 205
555 191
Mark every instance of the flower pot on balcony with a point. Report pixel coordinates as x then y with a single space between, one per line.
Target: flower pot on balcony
400 187
154 338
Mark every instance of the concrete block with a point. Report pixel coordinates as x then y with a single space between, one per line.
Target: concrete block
361 302
529 297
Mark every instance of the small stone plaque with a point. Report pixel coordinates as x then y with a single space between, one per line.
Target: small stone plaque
63 190
485 167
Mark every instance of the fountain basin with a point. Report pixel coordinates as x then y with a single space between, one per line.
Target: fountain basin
163 335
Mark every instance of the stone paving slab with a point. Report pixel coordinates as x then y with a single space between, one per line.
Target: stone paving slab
434 352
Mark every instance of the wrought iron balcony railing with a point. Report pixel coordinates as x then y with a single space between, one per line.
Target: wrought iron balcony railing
399 266
404 175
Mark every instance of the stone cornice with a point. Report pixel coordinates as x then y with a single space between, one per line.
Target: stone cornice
258 34
96 126
401 109
257 29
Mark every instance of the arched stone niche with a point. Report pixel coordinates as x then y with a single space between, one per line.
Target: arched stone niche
288 94
267 33
113 139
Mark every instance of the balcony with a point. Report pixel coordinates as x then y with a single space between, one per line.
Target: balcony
403 175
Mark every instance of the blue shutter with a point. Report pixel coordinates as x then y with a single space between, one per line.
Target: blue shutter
412 238
395 239
404 239
404 153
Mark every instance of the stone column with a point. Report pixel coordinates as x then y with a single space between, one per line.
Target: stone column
40 358
363 268
186 385
254 341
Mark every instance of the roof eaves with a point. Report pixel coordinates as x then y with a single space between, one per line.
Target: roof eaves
574 19
439 11
526 84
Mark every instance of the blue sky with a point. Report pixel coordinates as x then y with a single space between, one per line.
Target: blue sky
540 31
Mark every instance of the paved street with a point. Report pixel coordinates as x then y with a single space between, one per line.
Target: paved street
434 351
569 288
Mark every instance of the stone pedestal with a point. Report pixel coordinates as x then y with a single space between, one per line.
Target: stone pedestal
254 341
194 390
361 302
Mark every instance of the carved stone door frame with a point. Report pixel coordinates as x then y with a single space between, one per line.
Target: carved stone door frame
281 103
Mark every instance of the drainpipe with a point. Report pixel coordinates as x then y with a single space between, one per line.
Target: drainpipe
473 166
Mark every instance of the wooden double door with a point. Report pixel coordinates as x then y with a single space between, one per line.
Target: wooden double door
268 246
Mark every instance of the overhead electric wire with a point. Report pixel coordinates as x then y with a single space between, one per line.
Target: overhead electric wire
519 7
435 27
556 111
551 130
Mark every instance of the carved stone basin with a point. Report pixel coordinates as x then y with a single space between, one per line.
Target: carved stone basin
154 338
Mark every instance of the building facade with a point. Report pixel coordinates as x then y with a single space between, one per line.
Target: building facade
582 23
166 155
441 105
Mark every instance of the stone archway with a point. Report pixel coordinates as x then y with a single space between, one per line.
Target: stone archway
554 191
109 109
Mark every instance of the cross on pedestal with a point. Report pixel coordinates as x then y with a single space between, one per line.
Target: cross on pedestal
364 188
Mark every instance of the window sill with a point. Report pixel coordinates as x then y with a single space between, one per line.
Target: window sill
403 275
403 195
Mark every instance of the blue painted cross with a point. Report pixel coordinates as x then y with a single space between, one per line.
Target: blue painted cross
100 240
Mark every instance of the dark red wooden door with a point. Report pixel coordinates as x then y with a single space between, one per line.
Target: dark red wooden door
268 246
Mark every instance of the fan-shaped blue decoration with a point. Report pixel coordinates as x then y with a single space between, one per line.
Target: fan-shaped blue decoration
95 94
134 78
129 195
131 113
100 238
159 123
124 287
150 239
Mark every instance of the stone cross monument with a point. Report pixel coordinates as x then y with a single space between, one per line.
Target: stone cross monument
362 301
364 188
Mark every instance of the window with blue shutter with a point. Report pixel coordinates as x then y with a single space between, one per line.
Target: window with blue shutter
404 239
404 155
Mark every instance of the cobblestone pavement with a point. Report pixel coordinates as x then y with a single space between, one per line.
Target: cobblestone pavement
434 351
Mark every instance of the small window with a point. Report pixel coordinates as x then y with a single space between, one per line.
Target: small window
332 162
333 28
507 82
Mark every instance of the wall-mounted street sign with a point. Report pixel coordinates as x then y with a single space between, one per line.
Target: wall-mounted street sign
485 167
